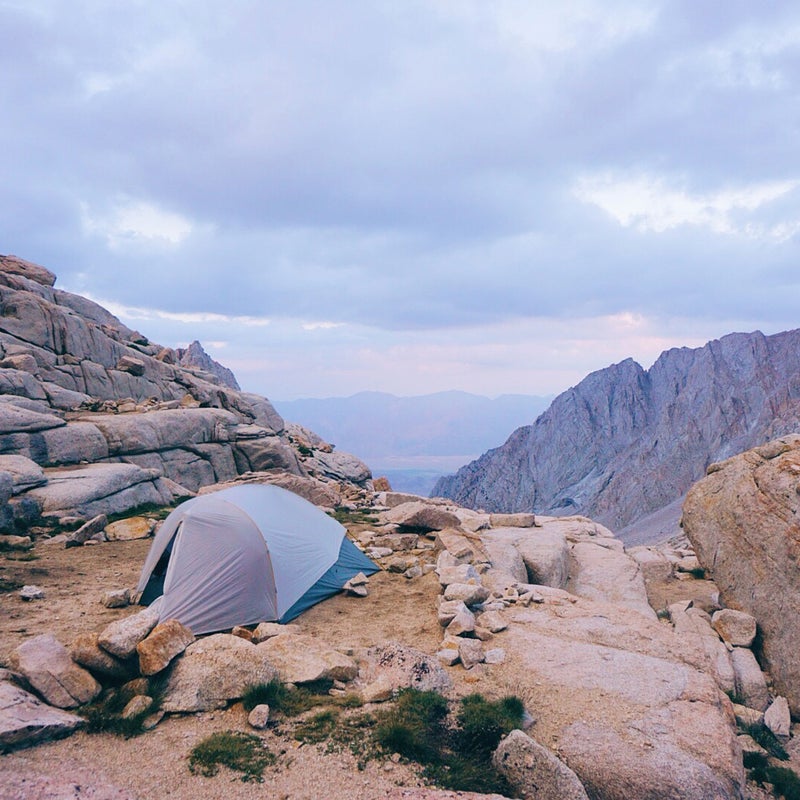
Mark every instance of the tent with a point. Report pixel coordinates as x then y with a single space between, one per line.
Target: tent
246 554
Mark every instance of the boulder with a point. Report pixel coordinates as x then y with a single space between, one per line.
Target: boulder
601 573
25 720
27 269
400 667
735 627
99 489
214 671
505 557
421 516
545 554
124 530
167 640
751 686
535 772
25 474
467 593
742 521
121 637
778 719
47 666
86 651
518 520
116 598
633 698
303 659
87 531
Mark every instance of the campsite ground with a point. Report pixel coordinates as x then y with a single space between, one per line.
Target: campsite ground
155 765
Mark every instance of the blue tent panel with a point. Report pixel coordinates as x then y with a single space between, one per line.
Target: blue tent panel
351 561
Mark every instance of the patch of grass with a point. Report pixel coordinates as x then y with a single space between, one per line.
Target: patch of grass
482 723
152 510
347 516
317 728
104 714
241 752
457 758
784 781
414 727
293 702
9 584
27 555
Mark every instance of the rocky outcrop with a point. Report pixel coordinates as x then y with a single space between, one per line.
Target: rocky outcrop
742 519
197 360
628 442
95 418
634 707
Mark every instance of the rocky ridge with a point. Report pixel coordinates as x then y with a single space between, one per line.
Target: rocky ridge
626 443
95 418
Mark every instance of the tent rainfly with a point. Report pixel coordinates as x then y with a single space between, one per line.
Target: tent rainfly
246 554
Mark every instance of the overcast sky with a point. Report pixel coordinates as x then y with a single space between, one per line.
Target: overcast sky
409 196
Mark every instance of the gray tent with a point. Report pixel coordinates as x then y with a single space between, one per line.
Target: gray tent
243 555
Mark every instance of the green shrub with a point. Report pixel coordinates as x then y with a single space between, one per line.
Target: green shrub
242 752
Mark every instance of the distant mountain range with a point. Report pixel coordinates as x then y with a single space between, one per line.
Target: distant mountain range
625 444
414 440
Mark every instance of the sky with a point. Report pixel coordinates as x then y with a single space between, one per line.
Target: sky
336 196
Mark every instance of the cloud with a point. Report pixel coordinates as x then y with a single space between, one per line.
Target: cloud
647 203
401 178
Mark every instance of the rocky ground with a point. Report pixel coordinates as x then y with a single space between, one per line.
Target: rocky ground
597 669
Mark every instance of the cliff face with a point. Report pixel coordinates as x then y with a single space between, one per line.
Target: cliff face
626 442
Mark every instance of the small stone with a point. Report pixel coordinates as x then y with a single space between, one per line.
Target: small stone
497 655
259 717
484 634
470 651
138 704
121 637
31 592
448 656
355 591
242 633
116 598
266 630
413 572
463 622
379 691
86 531
493 621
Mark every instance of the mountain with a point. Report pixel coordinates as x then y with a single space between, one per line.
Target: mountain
625 444
441 424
